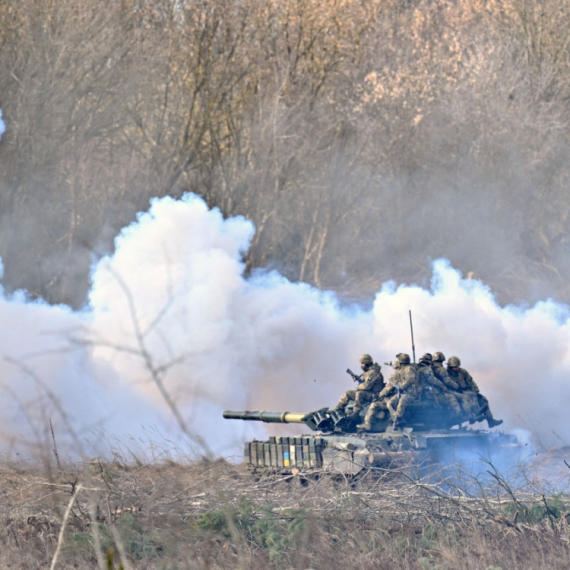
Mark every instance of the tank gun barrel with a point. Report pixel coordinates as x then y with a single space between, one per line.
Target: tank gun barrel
317 420
269 417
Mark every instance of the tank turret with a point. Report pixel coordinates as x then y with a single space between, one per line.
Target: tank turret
422 415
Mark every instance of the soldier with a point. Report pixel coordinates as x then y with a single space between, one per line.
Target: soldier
472 401
402 389
370 383
441 373
428 379
436 383
434 387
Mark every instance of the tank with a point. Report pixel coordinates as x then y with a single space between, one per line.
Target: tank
337 446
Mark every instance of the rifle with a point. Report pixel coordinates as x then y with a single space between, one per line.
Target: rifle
354 376
390 364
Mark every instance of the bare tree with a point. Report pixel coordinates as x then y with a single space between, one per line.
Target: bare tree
349 132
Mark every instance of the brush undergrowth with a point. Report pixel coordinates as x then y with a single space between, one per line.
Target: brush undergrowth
215 515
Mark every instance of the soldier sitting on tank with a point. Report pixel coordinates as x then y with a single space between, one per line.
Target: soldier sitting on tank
472 401
403 388
370 383
441 373
436 387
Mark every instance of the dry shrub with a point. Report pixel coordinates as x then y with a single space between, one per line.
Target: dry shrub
217 515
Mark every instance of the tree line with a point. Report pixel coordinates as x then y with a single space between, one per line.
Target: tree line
364 138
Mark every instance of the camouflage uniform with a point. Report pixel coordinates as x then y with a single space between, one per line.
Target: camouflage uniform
435 387
372 382
472 401
441 373
403 388
467 390
407 390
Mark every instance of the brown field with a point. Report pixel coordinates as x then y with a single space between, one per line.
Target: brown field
218 515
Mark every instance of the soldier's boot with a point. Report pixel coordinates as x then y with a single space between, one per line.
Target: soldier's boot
355 416
488 415
356 409
492 422
367 423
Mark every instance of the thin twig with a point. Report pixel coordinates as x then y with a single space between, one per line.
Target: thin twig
63 525
54 445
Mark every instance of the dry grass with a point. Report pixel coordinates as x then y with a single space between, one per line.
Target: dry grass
217 515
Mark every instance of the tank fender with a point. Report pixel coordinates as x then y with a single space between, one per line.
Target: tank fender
344 462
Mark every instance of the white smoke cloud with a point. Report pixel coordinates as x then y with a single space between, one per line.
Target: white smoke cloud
173 299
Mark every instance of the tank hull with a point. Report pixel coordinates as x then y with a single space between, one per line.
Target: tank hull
350 454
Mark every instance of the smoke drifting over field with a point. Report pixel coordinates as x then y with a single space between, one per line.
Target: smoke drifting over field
173 301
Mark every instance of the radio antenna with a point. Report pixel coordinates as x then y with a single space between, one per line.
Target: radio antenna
412 331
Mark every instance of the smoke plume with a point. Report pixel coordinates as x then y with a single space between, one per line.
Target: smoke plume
174 333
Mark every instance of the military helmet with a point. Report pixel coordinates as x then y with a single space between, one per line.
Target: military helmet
453 361
403 358
438 357
366 359
427 357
